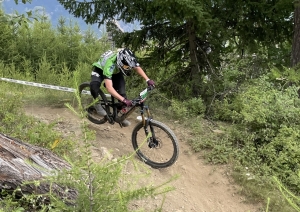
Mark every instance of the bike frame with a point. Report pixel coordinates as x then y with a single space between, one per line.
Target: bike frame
112 117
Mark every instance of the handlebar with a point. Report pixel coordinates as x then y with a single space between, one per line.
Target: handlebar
142 97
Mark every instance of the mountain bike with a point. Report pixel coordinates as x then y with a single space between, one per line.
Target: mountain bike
154 142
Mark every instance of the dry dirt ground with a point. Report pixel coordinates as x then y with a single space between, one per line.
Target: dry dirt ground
200 187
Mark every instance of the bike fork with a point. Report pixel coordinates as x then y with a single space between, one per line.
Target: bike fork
152 141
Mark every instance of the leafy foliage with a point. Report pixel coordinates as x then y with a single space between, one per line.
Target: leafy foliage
292 199
194 36
63 47
187 109
268 119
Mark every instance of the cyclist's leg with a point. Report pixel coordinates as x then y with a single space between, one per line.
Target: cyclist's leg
96 79
119 85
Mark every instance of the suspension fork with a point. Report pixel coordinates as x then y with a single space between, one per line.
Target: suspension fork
147 122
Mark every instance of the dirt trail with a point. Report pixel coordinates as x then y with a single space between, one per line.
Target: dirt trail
199 188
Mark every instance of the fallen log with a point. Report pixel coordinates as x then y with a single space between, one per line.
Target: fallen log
22 162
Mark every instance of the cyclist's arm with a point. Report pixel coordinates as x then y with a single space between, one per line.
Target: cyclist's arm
111 90
141 72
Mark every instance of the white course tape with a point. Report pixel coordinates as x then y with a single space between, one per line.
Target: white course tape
54 87
39 85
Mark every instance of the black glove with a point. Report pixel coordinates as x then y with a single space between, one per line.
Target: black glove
127 102
150 83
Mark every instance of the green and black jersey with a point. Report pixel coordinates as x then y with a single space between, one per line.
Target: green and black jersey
108 64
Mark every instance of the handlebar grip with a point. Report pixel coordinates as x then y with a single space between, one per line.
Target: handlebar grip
149 88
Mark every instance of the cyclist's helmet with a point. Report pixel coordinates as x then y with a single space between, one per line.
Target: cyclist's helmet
126 61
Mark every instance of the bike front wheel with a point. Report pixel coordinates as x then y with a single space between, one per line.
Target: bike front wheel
158 149
88 102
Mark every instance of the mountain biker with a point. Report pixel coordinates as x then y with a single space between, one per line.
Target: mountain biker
111 68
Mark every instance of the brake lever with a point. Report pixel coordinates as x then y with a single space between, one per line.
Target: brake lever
150 88
135 101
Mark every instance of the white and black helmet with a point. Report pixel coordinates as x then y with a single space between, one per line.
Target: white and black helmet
126 61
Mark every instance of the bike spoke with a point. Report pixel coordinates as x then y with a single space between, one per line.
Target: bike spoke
159 149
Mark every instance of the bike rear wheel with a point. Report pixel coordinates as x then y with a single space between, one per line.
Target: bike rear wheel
87 104
161 149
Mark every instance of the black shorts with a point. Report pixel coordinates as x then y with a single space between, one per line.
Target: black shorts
97 78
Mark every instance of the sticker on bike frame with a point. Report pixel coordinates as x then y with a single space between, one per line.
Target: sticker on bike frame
54 87
144 93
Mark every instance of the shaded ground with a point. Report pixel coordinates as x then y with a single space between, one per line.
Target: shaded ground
200 187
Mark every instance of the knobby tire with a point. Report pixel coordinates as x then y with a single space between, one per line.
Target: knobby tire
162 156
86 100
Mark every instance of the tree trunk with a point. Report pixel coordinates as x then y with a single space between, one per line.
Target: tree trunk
296 39
195 69
21 162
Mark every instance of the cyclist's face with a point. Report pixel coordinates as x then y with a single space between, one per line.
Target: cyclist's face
126 67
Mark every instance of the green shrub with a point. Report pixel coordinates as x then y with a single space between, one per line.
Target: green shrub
267 130
291 198
264 138
195 106
262 108
185 109
283 156
224 110
177 109
265 109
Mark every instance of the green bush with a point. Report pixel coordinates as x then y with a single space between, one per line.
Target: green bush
224 110
265 109
262 108
195 106
291 198
185 109
268 120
